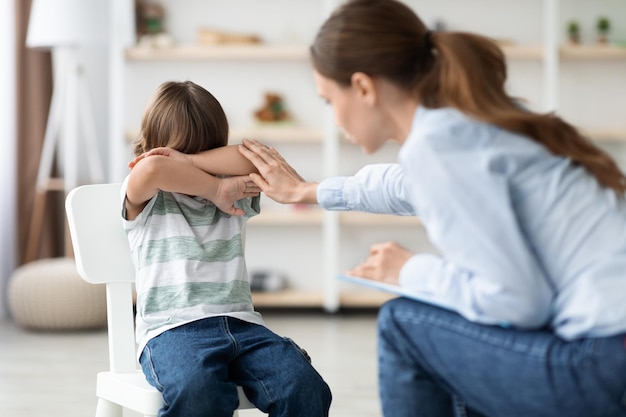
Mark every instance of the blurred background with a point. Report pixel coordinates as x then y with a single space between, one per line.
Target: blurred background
76 76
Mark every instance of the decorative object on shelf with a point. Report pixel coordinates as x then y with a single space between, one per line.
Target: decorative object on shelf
158 40
267 281
603 27
208 37
150 17
273 110
573 32
150 25
48 294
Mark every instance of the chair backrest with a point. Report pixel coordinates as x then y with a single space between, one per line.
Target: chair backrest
102 254
100 244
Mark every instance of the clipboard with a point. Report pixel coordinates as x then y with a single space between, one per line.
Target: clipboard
383 286
396 289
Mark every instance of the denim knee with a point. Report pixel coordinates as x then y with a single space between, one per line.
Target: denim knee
196 394
310 396
386 316
386 311
389 312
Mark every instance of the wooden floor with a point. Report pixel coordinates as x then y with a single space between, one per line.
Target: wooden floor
53 374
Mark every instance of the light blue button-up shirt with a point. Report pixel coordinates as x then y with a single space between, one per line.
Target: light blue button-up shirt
526 238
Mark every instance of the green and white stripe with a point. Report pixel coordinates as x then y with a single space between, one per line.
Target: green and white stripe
190 263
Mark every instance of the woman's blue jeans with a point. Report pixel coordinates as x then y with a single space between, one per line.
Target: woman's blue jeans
197 367
434 363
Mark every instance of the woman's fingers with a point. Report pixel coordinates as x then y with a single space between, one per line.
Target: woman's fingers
256 152
276 178
259 181
363 270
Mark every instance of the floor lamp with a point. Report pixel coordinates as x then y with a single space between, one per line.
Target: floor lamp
64 27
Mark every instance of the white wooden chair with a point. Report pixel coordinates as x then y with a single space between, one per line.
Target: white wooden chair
103 257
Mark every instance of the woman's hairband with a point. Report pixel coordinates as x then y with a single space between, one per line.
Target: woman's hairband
427 43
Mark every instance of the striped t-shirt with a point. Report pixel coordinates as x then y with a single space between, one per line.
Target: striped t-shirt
189 258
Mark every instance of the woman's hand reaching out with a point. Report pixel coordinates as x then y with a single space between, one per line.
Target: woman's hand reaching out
384 263
277 179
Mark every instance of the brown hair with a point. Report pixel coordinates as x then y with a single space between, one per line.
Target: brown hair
385 38
182 116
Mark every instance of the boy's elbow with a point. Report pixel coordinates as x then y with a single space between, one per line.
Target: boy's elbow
148 168
145 177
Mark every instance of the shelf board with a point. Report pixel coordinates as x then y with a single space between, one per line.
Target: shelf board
305 217
278 133
313 299
269 134
355 218
315 217
267 52
288 298
364 299
295 135
298 52
589 52
218 52
592 52
606 135
522 51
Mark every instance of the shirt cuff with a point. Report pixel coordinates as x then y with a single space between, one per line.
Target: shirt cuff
419 274
330 194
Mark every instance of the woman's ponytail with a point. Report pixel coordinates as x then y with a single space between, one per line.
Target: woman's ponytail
470 74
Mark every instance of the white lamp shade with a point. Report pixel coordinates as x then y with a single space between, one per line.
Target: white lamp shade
58 23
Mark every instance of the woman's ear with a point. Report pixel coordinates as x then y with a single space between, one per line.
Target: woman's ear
364 87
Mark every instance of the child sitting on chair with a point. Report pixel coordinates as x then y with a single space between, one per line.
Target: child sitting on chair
198 334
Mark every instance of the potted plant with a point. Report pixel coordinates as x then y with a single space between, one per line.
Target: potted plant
573 32
603 26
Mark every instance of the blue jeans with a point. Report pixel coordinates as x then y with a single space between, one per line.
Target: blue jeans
197 367
434 363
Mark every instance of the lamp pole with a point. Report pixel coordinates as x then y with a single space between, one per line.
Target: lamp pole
63 26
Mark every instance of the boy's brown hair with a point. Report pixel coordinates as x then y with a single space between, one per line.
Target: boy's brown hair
183 116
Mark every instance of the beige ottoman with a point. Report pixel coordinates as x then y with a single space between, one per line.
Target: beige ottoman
48 294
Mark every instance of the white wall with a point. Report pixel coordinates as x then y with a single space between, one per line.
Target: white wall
7 145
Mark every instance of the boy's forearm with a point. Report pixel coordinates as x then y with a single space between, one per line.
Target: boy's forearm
225 160
167 174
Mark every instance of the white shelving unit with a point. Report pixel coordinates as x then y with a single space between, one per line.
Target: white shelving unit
219 52
308 245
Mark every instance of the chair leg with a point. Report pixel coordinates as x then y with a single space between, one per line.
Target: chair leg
108 409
